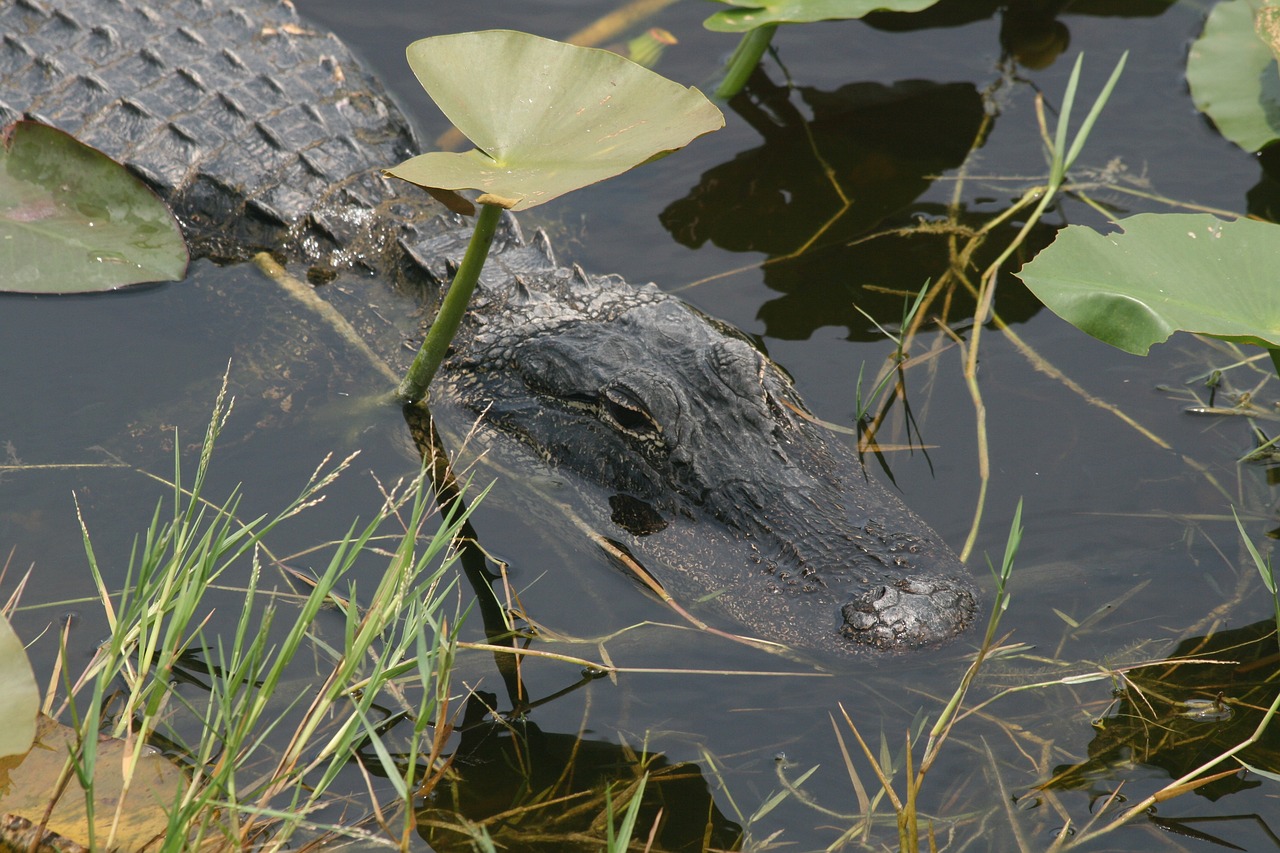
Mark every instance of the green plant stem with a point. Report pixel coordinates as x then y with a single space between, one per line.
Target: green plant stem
425 364
745 58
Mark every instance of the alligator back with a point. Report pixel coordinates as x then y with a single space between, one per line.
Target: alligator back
258 130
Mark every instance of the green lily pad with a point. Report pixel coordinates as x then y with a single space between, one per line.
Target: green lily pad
546 117
19 695
758 13
72 220
1267 26
1233 75
1165 273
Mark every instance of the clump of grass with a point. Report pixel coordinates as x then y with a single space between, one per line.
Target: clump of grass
395 651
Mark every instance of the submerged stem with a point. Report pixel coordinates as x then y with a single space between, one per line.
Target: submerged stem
425 364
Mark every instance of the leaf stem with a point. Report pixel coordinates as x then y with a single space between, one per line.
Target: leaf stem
746 56
425 364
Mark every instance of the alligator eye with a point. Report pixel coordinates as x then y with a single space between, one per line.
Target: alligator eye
629 413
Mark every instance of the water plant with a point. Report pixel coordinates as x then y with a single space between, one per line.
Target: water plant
546 118
19 694
390 658
72 220
1164 273
1232 73
1196 273
905 806
758 20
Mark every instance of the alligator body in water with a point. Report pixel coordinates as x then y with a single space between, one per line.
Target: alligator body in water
262 132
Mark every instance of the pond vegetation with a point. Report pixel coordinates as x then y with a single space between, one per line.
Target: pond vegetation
262 757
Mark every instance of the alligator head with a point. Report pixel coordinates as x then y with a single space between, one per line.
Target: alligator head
684 426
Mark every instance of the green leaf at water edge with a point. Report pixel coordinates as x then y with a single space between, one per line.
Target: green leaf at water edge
546 117
72 220
1233 75
751 14
1164 273
19 695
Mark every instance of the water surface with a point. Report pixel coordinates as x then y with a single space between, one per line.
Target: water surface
1117 525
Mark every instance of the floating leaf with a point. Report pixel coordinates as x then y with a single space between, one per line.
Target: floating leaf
1233 76
19 695
1267 26
154 785
546 117
72 220
751 14
1164 273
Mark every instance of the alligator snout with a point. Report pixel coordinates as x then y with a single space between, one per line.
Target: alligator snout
908 613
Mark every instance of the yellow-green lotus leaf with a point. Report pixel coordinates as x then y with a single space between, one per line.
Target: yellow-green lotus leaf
546 117
19 694
154 785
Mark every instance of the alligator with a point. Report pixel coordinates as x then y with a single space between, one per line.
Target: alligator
262 131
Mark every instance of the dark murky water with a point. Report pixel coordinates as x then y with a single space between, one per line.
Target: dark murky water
1107 509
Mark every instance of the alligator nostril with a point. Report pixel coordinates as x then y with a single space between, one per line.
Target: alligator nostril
907 613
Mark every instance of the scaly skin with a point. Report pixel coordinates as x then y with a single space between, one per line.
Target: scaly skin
693 448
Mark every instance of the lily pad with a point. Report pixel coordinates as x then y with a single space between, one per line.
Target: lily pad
72 220
759 13
19 695
154 785
1233 75
1267 26
1164 273
546 117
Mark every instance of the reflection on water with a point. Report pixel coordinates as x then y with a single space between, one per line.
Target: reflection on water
535 790
1206 698
1175 717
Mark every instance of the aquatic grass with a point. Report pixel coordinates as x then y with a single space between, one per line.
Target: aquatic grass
577 806
619 840
905 807
1061 158
1265 570
909 311
911 825
245 790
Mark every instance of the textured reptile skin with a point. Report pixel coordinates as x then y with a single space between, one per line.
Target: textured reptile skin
693 451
